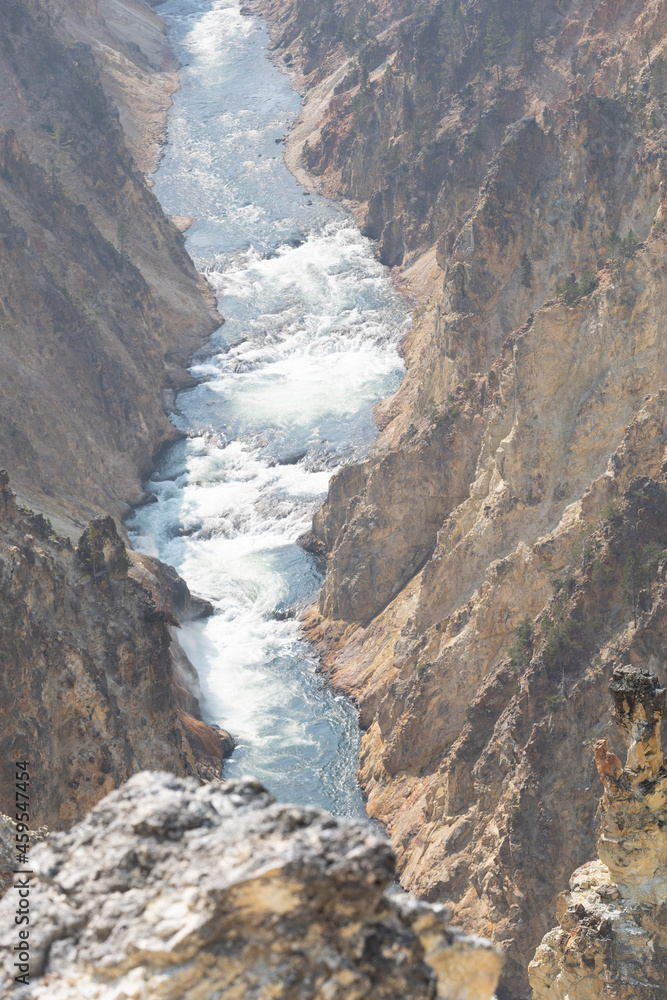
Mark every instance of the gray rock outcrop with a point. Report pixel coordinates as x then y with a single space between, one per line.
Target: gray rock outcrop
168 889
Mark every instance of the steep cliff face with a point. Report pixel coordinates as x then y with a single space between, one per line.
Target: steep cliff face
612 939
484 566
172 890
137 68
86 685
100 306
100 301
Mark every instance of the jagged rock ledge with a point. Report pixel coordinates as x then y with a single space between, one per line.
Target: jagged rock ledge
98 686
171 889
612 939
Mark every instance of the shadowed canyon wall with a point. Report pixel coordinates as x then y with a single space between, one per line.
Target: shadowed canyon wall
100 302
100 307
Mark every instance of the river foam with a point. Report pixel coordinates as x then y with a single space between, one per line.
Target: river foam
309 345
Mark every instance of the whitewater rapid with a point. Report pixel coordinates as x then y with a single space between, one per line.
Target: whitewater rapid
309 345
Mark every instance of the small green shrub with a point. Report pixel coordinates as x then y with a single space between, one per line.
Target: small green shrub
610 512
630 244
639 574
89 89
626 246
468 96
565 582
521 650
526 270
571 290
559 632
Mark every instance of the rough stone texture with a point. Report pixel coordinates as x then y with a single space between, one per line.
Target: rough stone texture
172 891
138 70
86 330
8 842
522 460
86 681
612 939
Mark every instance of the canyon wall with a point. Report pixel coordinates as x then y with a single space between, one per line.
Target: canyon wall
87 685
502 549
100 303
100 308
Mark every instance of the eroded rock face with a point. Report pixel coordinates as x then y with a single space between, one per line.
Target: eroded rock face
88 688
521 465
612 939
170 890
97 291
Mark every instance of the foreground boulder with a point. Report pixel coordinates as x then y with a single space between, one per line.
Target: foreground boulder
612 939
168 889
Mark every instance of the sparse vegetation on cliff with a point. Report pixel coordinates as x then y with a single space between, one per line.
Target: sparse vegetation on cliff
545 134
521 650
571 290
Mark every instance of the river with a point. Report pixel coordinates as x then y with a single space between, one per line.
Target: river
309 345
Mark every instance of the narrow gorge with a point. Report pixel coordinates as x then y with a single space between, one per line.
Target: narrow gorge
334 418
286 393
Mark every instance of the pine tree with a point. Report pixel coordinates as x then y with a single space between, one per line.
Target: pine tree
526 270
496 43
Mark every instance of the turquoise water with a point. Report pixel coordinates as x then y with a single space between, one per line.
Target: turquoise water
290 381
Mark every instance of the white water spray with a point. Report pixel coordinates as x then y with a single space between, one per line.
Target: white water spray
290 381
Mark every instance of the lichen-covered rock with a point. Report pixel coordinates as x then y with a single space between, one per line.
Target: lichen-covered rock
175 891
612 939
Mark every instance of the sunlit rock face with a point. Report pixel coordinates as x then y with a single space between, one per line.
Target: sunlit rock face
612 939
169 889
527 415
